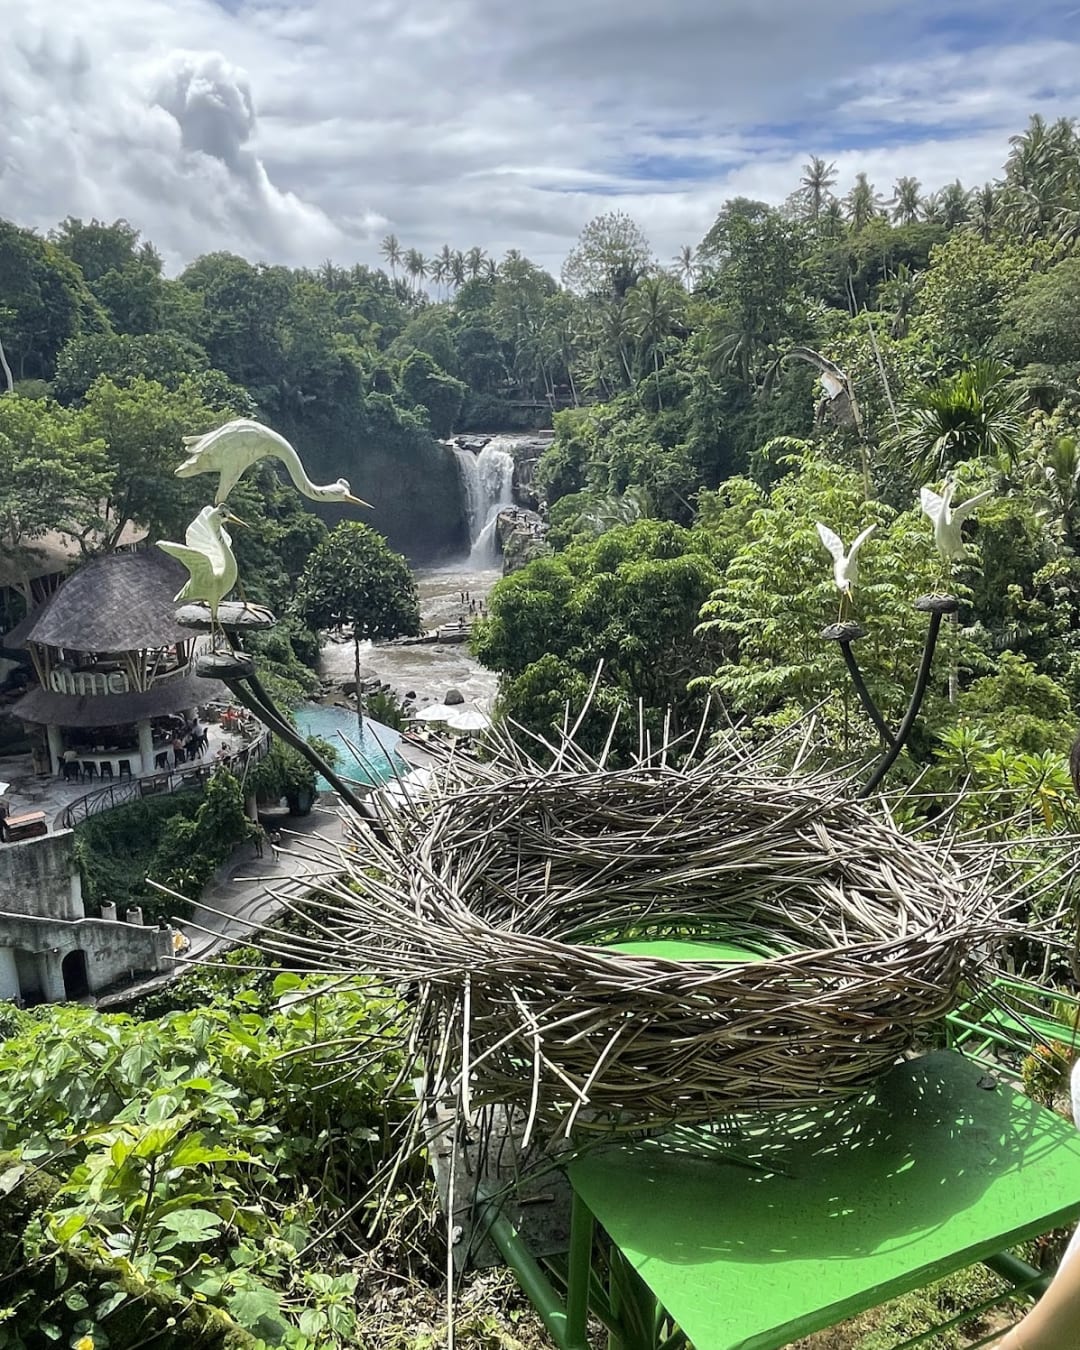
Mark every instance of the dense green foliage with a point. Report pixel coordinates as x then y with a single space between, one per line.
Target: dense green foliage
203 1154
177 841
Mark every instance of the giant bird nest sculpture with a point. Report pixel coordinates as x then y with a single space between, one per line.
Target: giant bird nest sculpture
493 902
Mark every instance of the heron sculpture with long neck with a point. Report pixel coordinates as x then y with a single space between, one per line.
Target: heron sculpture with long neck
234 447
207 554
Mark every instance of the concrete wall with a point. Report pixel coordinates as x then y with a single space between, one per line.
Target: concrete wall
40 877
112 950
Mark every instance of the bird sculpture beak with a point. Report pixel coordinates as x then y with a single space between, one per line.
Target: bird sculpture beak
358 501
235 520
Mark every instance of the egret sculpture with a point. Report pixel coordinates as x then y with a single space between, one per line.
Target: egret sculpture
207 554
845 564
947 519
234 447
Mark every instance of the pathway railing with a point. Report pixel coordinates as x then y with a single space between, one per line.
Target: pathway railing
184 778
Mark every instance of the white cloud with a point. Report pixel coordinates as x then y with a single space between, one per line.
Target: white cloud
295 133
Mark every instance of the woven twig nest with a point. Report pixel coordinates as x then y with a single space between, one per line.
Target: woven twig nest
494 903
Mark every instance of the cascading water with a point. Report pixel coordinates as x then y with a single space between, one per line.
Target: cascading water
487 481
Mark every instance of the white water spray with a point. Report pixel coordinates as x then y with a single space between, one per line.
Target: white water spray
487 481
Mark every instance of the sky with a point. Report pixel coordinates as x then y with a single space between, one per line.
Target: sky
296 132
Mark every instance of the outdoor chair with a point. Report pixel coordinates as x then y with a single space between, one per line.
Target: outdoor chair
71 771
105 769
123 768
89 770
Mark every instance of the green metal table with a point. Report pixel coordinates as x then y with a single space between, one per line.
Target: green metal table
748 1238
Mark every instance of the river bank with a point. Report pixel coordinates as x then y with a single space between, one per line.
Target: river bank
426 670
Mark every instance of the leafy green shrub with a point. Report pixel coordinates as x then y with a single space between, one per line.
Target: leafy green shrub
178 841
384 706
207 1152
284 772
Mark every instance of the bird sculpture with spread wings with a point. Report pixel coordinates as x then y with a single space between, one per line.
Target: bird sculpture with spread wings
234 447
207 554
845 563
947 519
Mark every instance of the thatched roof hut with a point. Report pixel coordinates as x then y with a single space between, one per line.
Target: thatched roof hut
117 603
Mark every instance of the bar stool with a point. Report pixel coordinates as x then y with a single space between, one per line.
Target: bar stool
161 760
105 768
71 771
123 767
89 770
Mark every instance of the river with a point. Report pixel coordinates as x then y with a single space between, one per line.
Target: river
428 670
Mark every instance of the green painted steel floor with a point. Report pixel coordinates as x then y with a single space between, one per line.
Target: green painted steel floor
752 1241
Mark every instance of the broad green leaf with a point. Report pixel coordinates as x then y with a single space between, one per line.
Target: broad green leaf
191 1225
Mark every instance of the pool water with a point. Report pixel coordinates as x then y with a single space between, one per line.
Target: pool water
377 760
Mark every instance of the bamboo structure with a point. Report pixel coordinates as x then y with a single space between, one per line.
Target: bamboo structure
490 904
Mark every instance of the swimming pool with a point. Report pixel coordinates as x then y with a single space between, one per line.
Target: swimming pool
377 760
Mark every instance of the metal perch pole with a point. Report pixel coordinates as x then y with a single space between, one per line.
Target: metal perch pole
937 606
845 634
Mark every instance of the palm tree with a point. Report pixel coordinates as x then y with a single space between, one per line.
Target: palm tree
457 268
954 205
985 203
970 415
685 265
439 271
474 261
898 296
491 269
446 258
832 223
615 331
906 201
862 203
816 184
391 251
417 267
654 308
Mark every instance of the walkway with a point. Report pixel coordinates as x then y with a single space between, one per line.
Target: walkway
244 894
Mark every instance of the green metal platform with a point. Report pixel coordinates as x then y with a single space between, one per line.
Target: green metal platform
748 1238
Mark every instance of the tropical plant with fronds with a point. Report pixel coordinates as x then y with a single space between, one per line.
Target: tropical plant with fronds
655 310
390 249
971 415
816 184
907 201
862 203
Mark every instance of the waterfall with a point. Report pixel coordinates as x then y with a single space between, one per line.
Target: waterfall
487 481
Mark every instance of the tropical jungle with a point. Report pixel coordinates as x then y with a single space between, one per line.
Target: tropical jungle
202 1168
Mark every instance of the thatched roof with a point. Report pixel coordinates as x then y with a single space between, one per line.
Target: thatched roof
110 710
121 602
55 552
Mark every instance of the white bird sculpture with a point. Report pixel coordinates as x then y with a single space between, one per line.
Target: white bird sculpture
237 445
207 554
948 519
845 564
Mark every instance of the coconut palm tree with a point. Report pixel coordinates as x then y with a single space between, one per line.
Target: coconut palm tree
954 205
906 201
985 209
391 251
491 269
474 261
862 203
816 185
654 309
457 268
685 265
972 414
439 271
416 265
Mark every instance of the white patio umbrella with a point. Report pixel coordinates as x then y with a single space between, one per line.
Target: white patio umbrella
468 719
438 712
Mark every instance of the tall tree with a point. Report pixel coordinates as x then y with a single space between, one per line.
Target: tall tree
354 580
816 184
862 203
390 249
906 203
611 255
417 267
686 265
654 308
